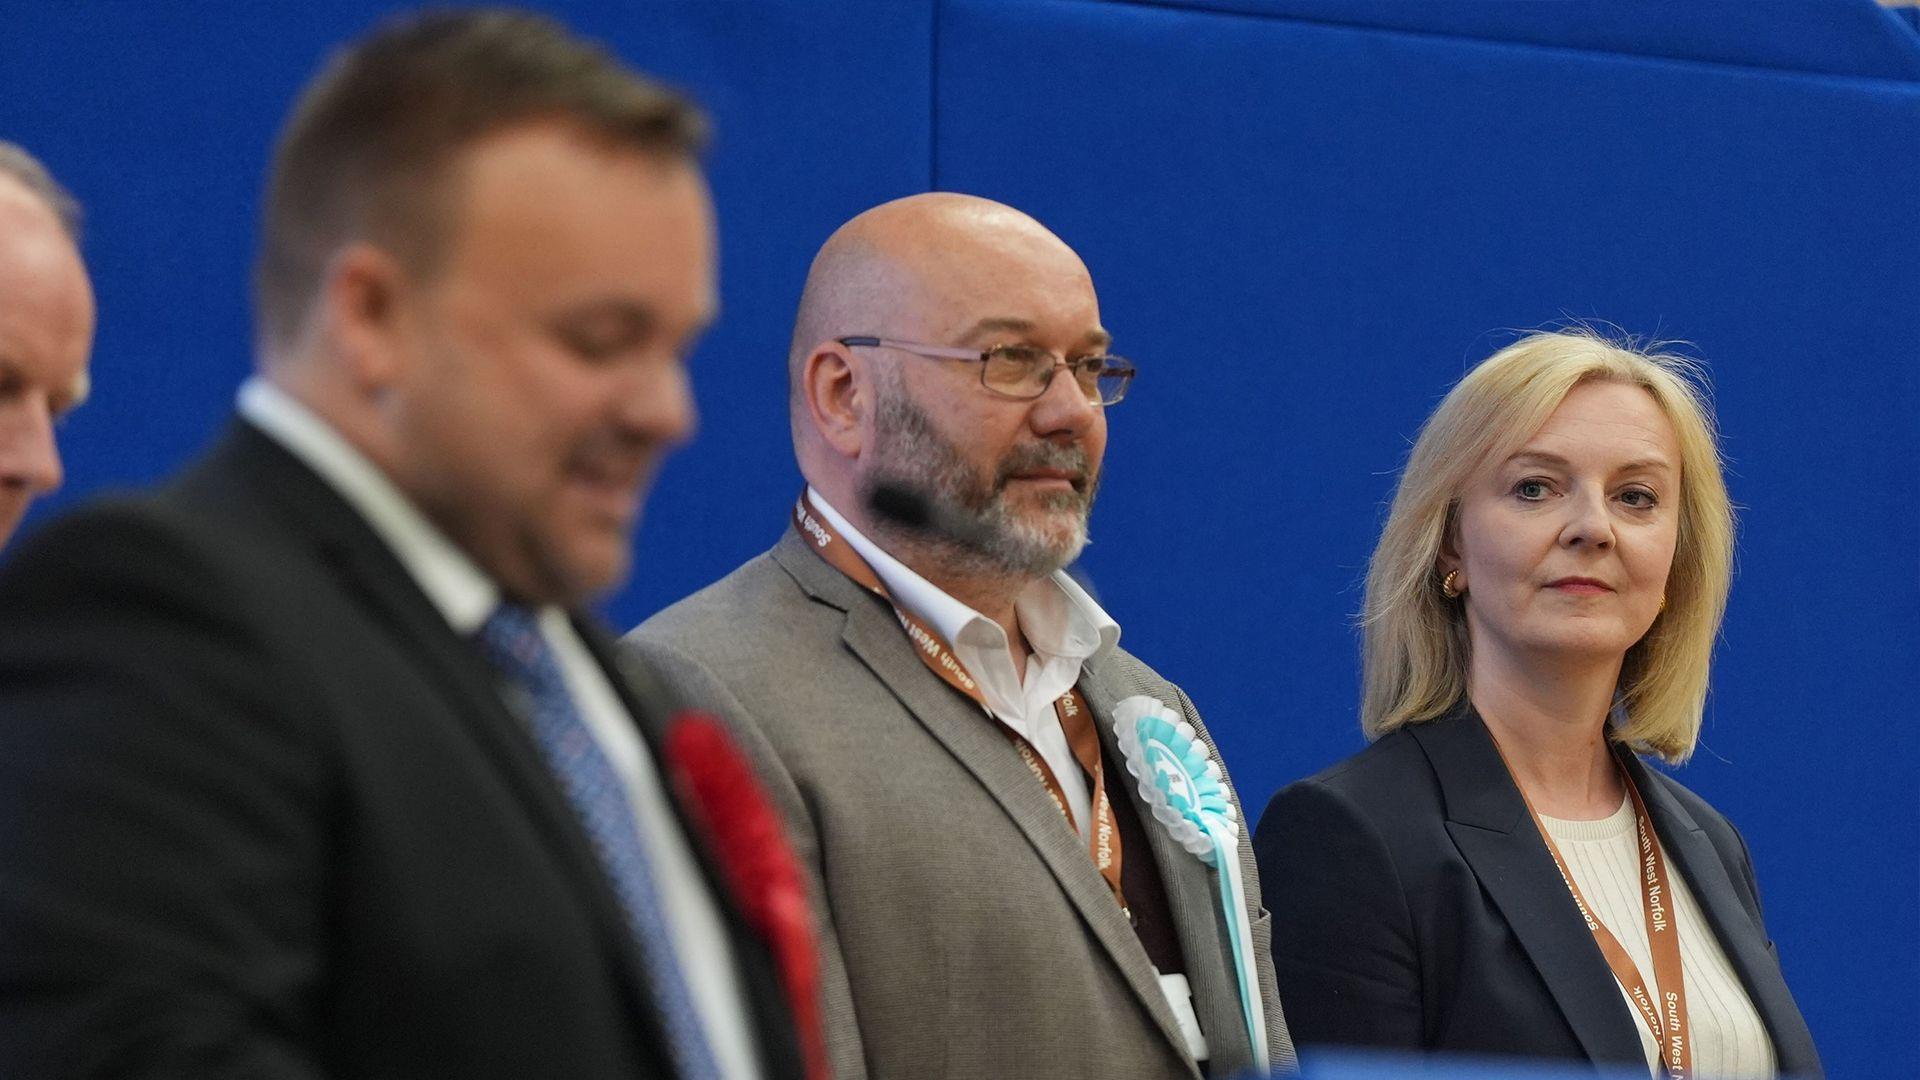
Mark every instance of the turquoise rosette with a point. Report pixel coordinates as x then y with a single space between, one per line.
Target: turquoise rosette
1187 792
1179 780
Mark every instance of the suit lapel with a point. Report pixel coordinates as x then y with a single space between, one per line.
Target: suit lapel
1192 895
649 707
1743 941
1489 824
872 633
368 570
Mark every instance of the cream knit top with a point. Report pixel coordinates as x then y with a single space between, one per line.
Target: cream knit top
1729 1041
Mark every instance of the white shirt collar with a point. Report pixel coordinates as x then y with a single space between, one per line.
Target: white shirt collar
1056 614
458 588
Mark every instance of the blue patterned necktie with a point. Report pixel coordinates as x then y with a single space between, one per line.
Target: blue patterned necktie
519 651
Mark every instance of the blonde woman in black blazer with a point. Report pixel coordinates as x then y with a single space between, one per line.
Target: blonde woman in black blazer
1540 613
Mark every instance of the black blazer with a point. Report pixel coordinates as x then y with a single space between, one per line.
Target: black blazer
264 814
1415 906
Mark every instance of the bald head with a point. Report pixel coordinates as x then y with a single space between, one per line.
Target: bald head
46 301
895 269
25 170
46 334
942 279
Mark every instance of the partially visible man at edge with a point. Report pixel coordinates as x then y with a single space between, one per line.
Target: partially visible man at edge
312 766
918 681
46 328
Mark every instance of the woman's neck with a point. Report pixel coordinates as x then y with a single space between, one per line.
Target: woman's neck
1550 723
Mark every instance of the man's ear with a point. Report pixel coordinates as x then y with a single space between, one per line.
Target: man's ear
839 396
363 307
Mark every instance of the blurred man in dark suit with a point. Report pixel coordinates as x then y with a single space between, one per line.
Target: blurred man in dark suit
46 328
311 765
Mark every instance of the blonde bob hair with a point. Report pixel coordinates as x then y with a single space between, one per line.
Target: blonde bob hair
1415 638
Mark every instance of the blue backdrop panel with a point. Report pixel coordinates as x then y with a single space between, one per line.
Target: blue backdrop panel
161 118
1834 37
823 110
1305 232
1307 217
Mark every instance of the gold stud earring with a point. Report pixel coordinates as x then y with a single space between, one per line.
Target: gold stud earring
1447 587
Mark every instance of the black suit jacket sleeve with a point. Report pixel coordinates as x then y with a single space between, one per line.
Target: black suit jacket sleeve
154 834
1326 866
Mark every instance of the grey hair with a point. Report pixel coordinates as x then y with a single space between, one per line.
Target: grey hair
26 170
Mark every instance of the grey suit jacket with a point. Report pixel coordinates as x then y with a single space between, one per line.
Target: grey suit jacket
966 933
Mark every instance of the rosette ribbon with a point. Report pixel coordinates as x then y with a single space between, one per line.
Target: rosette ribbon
745 836
1187 793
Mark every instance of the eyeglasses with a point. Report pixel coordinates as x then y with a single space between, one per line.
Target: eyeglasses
1023 372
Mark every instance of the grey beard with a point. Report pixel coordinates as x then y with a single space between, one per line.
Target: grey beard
983 532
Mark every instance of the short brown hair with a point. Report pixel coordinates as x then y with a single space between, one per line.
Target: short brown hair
374 133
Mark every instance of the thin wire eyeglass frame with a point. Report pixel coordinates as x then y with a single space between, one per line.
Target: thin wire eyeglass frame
1113 374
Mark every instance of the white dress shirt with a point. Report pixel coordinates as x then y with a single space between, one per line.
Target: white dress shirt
1729 1039
1062 625
466 597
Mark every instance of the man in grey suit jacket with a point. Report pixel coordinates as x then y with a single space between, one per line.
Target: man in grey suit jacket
917 676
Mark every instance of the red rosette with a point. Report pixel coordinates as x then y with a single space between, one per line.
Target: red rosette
745 836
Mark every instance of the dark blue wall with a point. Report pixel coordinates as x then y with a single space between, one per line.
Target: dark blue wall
1306 218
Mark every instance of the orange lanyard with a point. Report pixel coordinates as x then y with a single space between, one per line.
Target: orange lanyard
1667 1018
1076 719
